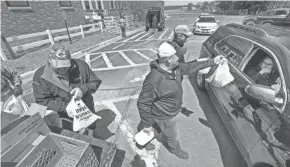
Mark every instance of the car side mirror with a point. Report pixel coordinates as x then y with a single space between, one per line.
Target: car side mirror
263 93
217 21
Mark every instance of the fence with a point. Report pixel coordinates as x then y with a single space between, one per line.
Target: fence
29 41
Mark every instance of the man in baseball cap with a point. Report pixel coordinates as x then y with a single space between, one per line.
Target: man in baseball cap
61 79
181 34
160 99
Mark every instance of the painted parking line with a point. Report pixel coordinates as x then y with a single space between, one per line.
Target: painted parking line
160 37
107 61
118 46
171 35
120 67
134 36
126 58
141 37
150 37
150 157
143 55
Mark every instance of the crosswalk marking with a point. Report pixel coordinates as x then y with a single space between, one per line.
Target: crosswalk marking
123 50
171 35
160 37
141 37
107 61
126 58
142 55
133 37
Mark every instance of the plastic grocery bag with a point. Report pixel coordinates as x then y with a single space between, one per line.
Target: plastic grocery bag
222 75
81 114
15 105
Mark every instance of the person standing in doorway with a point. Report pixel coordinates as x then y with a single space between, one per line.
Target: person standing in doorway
154 24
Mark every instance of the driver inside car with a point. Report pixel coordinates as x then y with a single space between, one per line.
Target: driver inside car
265 74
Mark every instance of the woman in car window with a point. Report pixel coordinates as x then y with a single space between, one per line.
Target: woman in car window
265 74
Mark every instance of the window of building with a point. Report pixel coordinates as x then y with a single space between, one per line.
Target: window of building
86 5
112 4
99 4
17 3
65 4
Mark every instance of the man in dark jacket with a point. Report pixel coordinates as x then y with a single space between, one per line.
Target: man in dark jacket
59 80
154 23
180 36
160 99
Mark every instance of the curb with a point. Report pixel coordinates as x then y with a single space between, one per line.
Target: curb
26 77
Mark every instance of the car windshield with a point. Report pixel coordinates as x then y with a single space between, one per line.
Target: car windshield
206 20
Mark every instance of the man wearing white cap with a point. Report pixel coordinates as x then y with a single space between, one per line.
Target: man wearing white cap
60 79
160 99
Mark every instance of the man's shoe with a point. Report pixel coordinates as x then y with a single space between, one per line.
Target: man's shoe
182 154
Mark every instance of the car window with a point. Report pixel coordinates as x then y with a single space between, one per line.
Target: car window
234 48
269 13
273 78
281 12
206 20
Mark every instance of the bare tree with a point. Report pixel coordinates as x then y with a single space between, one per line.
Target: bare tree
122 7
136 8
189 6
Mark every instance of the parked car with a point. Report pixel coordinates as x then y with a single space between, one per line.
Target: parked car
160 16
280 17
256 116
205 24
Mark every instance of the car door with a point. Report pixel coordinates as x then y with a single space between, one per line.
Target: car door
275 134
267 16
237 105
235 49
280 17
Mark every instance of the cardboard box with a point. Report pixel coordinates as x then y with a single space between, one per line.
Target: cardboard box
18 135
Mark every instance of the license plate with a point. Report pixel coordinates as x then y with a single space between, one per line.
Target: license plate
205 30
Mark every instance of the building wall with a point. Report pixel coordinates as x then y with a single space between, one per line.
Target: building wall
44 15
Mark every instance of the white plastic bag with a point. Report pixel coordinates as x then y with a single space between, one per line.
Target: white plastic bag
222 76
82 115
15 105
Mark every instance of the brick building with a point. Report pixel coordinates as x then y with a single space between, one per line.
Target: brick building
25 17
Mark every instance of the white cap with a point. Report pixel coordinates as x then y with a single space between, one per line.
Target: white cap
166 50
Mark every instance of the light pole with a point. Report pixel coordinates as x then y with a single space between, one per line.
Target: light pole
64 16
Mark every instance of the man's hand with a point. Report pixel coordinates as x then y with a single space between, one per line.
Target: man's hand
148 130
220 59
265 71
77 93
17 91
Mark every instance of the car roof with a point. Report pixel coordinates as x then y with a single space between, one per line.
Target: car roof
206 16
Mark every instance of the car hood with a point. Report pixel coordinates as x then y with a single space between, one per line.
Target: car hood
250 17
206 24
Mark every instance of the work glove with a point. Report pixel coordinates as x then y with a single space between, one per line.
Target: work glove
77 94
17 90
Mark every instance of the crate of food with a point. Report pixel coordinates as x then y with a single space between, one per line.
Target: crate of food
105 151
60 151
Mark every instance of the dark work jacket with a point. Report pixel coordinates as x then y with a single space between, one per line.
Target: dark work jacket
180 50
53 92
161 94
